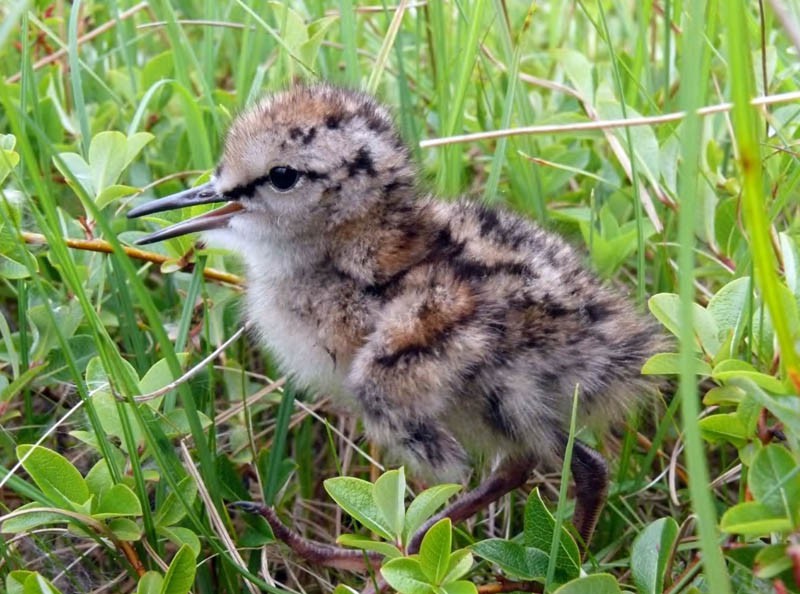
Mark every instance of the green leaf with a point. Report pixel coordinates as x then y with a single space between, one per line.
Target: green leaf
37 584
135 143
785 408
728 394
109 410
643 139
176 424
180 575
772 560
125 529
669 364
665 307
355 497
110 153
434 552
516 560
406 576
727 306
753 518
749 413
539 525
150 583
389 495
15 582
106 158
724 427
181 536
172 510
460 587
98 479
20 383
579 71
734 368
791 261
8 161
114 192
425 505
119 500
25 522
774 481
599 583
73 163
12 269
294 31
650 554
460 564
58 479
159 375
316 35
342 589
367 544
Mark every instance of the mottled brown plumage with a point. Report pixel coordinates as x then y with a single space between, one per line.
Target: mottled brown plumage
455 330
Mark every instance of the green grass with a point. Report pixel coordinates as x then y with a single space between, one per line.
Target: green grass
705 209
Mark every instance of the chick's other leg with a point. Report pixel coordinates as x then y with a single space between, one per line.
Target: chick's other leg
510 475
590 473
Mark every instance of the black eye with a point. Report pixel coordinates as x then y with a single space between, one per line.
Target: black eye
283 178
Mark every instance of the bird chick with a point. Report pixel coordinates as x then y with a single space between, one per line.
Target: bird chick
457 331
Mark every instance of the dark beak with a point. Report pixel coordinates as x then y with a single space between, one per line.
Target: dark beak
204 194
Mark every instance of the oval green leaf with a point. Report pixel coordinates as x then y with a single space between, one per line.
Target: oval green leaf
405 575
425 505
180 575
724 427
775 481
650 555
599 583
389 494
539 525
734 368
119 500
753 518
460 564
459 587
434 552
527 563
58 479
125 529
355 497
150 583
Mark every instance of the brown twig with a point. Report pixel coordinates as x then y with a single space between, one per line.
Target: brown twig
133 558
102 246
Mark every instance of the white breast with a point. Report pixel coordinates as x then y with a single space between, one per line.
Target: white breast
292 341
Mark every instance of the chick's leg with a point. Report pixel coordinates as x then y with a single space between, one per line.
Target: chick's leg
590 473
512 474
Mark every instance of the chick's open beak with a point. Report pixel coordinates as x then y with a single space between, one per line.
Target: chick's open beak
204 194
